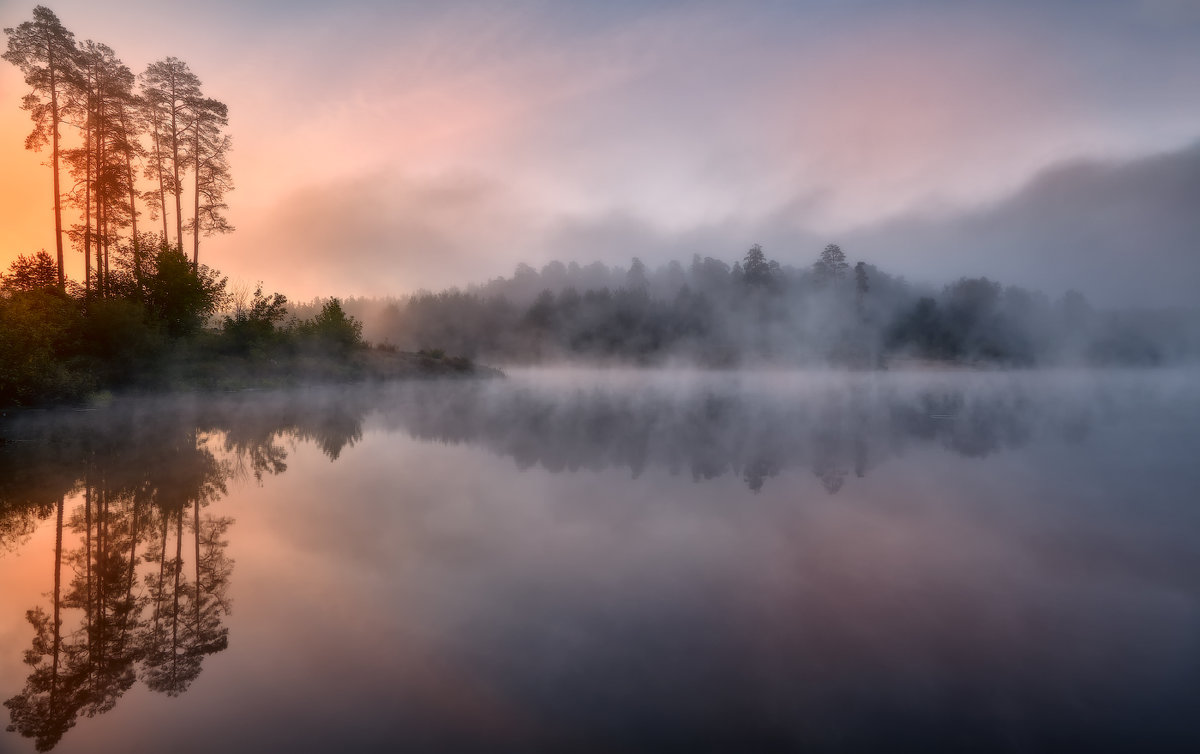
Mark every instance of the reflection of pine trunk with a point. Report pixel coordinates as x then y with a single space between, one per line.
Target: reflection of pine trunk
175 597
97 639
196 510
162 564
58 539
104 586
54 691
101 565
133 541
87 559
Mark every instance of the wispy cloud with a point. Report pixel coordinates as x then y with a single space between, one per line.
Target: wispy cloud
630 122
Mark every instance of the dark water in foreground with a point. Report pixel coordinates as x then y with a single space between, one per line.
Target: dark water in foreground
619 561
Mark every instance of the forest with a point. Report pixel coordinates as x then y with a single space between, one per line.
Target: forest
758 311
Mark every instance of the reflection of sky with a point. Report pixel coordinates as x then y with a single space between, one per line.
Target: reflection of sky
390 146
417 588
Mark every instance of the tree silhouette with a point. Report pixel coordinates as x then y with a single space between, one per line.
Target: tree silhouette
131 124
184 627
170 90
333 329
103 165
861 287
635 279
36 272
831 265
179 295
756 271
46 708
137 482
45 52
207 150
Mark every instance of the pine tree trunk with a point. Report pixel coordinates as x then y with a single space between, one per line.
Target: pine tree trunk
87 203
87 556
196 215
102 193
101 283
175 167
58 534
137 259
62 278
162 194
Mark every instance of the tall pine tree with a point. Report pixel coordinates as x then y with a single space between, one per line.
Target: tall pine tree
45 52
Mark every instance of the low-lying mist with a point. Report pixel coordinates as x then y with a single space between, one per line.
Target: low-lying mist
759 312
698 423
828 536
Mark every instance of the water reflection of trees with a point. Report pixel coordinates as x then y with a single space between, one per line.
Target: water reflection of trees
835 432
140 577
138 588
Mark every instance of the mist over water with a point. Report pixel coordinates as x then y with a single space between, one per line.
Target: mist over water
576 559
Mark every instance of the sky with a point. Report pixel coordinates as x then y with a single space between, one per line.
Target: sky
384 147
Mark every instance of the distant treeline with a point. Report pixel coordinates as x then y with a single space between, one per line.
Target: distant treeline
757 310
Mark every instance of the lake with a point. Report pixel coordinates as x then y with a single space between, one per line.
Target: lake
620 560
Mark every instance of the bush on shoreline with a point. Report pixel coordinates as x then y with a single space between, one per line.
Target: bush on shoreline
154 328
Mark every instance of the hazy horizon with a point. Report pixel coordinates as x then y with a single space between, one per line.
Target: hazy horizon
383 148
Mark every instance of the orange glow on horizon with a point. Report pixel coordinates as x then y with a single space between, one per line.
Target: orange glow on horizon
697 125
26 185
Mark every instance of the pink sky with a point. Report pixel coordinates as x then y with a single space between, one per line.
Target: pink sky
383 148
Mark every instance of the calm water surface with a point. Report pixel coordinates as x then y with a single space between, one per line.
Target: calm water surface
610 561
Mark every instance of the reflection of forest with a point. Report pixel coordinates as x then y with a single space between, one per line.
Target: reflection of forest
138 585
834 431
140 577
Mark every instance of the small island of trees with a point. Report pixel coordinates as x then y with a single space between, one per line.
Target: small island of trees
144 314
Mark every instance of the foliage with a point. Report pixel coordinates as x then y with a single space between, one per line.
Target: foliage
718 314
119 337
831 265
756 271
180 296
35 272
39 345
141 314
332 330
55 346
255 325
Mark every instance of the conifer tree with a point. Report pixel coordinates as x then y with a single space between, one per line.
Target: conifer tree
45 52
